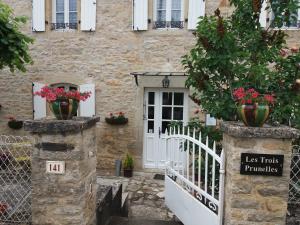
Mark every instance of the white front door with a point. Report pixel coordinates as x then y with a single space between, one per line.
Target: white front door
161 107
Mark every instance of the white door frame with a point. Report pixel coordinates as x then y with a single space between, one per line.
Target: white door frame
157 142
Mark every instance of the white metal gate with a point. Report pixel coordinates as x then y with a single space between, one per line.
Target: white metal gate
194 189
15 180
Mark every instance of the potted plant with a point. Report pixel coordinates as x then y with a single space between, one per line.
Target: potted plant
63 104
13 123
253 108
116 118
128 166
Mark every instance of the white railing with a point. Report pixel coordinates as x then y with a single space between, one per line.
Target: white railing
200 173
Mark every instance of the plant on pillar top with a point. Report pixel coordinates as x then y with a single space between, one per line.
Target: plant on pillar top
236 52
253 108
63 104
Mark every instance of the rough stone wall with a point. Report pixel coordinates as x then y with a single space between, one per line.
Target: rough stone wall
105 57
255 199
69 198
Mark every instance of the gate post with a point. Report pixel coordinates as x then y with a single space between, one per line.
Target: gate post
256 192
63 171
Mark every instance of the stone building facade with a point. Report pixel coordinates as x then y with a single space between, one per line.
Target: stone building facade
104 57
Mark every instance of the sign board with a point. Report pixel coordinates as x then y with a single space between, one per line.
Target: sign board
261 164
55 167
210 121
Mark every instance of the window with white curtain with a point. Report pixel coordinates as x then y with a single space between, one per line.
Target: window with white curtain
64 14
168 14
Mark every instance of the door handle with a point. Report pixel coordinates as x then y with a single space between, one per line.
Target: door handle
159 132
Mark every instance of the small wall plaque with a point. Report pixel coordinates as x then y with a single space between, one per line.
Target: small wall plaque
261 164
55 167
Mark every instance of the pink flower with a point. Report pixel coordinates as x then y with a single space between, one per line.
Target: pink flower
270 99
295 49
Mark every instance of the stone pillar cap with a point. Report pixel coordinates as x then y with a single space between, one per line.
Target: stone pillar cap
53 126
238 129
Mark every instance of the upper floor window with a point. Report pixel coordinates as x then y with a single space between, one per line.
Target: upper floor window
64 14
293 22
168 14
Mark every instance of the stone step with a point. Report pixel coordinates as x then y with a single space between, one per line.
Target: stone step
128 221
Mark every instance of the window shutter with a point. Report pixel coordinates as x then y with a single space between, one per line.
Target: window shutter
140 15
88 107
88 15
196 9
263 14
39 103
38 15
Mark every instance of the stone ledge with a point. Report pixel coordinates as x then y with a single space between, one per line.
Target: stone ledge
238 129
52 126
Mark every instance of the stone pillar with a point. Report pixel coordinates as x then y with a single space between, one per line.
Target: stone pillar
256 199
68 198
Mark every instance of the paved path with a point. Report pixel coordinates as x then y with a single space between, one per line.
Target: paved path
145 195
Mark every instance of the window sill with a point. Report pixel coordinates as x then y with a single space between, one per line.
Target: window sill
64 30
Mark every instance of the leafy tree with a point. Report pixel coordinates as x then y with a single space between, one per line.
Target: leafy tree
13 43
237 52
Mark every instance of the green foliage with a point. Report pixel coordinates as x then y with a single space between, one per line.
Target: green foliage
128 162
13 43
212 132
237 52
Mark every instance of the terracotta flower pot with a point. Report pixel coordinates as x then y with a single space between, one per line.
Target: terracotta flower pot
64 109
253 115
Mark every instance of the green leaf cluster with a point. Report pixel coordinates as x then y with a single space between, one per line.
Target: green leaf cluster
14 45
237 52
128 162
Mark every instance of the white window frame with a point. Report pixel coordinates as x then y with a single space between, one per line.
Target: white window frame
66 13
168 13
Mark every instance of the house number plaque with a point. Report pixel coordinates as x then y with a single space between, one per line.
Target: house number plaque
55 167
261 164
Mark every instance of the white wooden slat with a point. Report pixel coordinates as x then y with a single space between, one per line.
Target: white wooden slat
199 161
188 156
213 172
38 15
88 15
39 103
193 158
140 15
196 9
263 14
88 107
206 167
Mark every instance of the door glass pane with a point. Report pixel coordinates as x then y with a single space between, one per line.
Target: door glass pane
150 112
151 98
165 126
178 98
178 113
60 18
167 113
60 5
167 98
150 127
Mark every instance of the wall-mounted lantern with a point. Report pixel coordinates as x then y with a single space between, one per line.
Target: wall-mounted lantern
166 82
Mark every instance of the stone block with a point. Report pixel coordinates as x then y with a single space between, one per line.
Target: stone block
68 198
